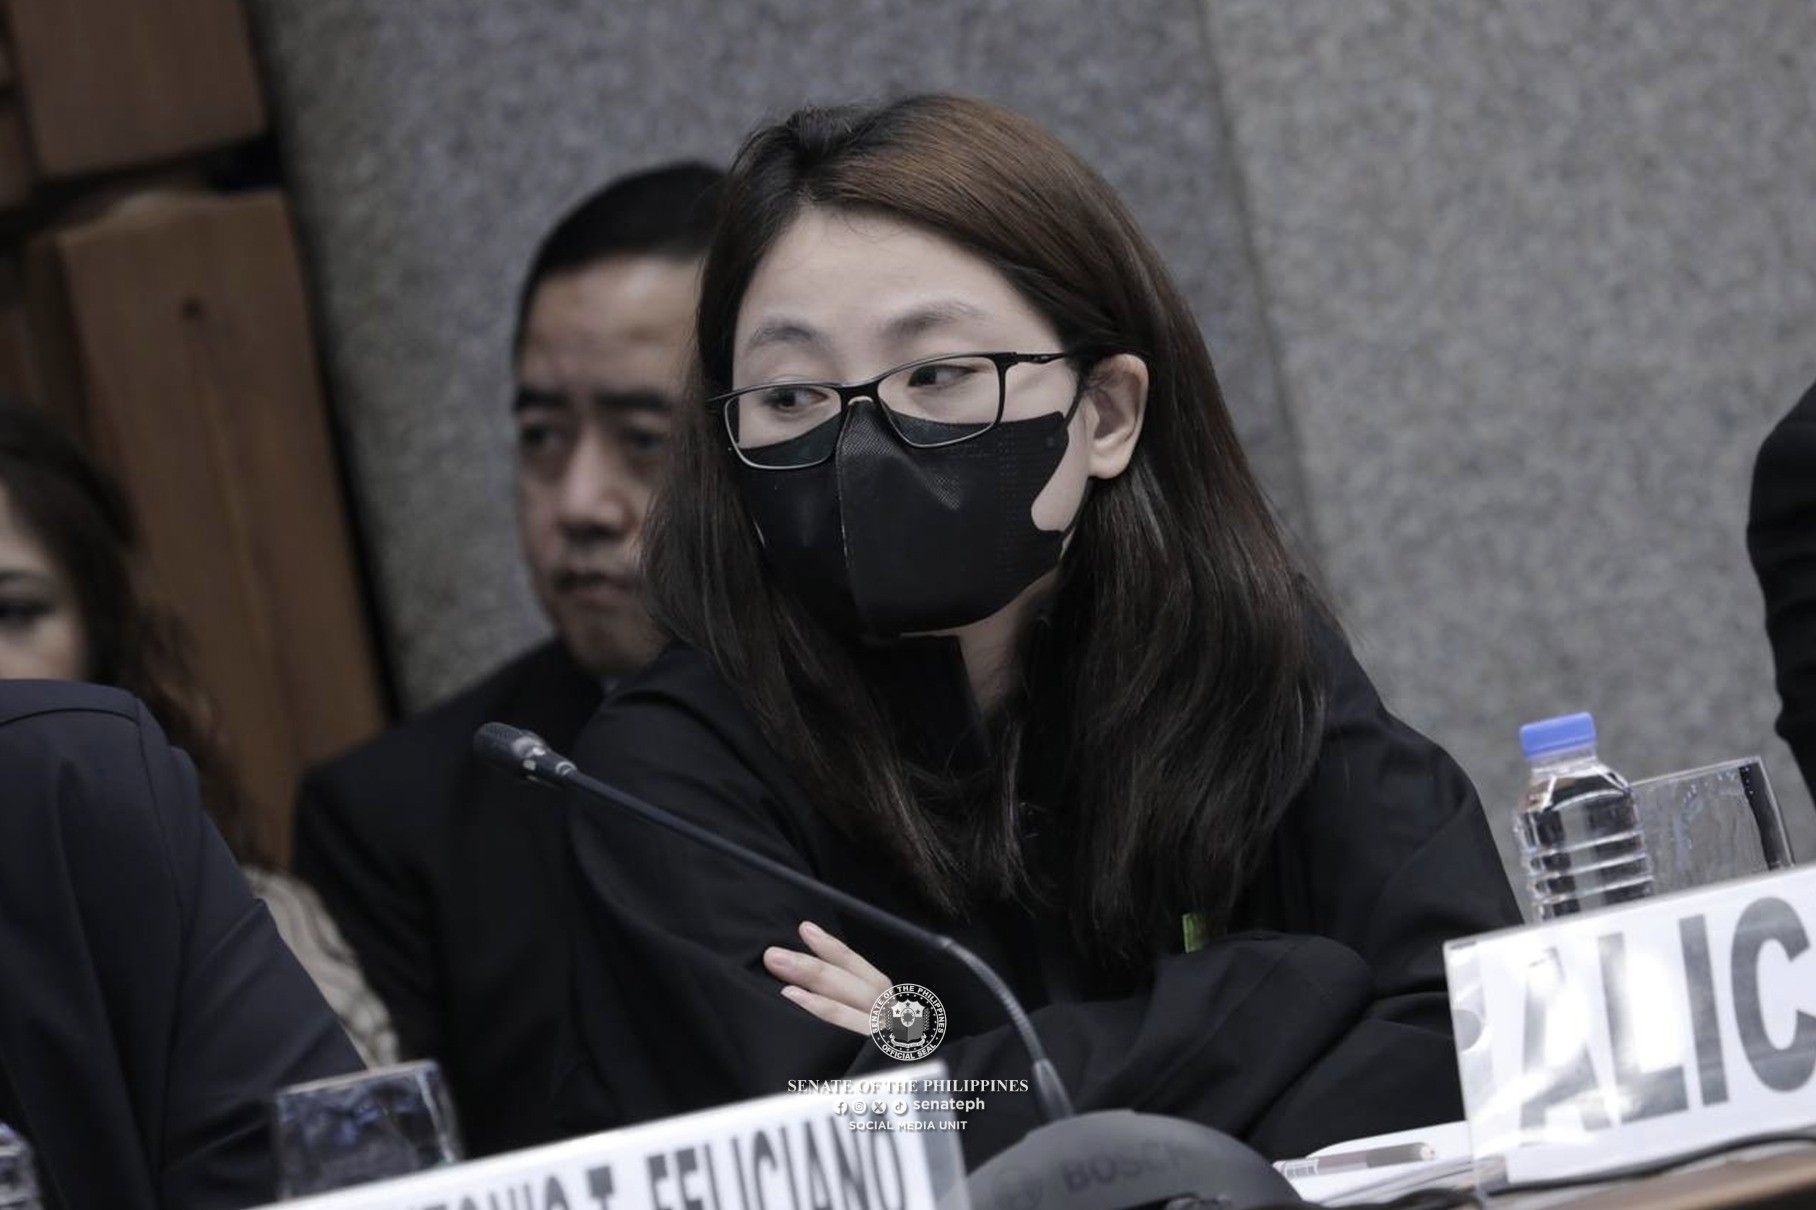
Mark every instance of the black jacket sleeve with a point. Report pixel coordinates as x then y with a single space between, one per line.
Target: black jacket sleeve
150 1008
1328 1024
359 853
1781 538
674 1010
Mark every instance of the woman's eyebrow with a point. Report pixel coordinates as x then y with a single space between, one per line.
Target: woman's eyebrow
928 317
783 331
911 323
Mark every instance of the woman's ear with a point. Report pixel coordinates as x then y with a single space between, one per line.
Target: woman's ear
1115 403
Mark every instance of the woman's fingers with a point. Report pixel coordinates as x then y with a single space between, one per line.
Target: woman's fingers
844 957
835 983
830 1011
812 973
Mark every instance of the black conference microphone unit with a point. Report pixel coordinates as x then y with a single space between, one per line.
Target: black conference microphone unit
1114 1159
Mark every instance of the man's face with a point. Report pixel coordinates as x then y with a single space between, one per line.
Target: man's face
599 374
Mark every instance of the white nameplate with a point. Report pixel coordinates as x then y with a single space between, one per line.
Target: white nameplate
1639 1032
797 1151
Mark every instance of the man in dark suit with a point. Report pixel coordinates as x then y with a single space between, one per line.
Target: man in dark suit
1781 537
148 1007
446 876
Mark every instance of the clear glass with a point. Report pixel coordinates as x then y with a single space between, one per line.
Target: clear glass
1580 836
1711 824
18 1177
349 1130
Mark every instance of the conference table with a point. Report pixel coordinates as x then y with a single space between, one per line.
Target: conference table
1767 1177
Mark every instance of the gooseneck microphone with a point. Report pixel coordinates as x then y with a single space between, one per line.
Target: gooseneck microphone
1106 1160
525 754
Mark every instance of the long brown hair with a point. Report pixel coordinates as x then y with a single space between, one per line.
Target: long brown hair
88 530
1171 695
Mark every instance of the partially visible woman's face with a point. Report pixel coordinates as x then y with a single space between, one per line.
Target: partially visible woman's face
844 296
40 632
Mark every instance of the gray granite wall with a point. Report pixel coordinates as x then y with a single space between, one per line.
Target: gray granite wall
1542 277
1504 295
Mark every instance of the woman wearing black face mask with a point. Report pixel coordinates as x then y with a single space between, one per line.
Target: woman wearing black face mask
982 617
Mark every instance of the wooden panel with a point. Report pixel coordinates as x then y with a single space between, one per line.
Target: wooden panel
17 171
113 83
199 386
19 375
49 337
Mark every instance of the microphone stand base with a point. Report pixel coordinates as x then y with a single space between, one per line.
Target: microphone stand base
1118 1159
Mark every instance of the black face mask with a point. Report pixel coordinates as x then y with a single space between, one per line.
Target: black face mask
884 539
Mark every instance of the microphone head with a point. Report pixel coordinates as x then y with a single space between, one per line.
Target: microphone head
1119 1160
521 754
503 744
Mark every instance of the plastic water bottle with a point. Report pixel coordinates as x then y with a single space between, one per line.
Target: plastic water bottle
1578 828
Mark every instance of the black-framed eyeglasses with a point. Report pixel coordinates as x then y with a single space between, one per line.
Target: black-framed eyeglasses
929 403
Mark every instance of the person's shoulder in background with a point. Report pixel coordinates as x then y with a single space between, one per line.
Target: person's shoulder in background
60 738
416 765
23 701
1784 476
373 827
1781 540
152 1007
395 790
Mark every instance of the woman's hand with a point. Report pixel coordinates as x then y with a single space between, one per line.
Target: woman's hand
834 982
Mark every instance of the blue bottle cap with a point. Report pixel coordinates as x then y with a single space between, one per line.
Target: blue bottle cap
1559 734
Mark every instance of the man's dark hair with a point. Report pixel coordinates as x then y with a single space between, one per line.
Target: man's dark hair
666 211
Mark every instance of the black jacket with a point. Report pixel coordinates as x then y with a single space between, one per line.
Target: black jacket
444 876
1781 537
148 1007
1324 1018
